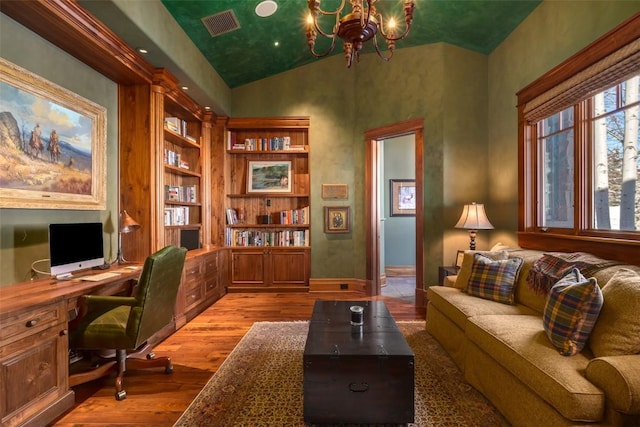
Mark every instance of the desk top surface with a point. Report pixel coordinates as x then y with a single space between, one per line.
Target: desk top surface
19 296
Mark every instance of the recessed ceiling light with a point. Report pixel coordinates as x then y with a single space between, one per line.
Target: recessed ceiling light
142 50
276 44
266 8
207 107
185 87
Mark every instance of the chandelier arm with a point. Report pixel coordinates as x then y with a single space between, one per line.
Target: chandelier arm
394 38
327 52
379 52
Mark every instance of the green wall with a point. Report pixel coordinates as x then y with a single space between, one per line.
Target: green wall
23 232
553 32
344 103
467 101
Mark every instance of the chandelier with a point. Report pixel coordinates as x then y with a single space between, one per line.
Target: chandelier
362 24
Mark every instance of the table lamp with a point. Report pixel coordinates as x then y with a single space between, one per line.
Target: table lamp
127 225
473 218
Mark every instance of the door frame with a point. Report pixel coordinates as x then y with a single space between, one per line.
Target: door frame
372 216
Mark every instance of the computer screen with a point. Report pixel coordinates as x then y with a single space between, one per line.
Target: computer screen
75 246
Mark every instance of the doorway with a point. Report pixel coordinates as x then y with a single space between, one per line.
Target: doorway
372 203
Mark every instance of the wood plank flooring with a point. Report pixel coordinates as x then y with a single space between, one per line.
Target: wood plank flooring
197 350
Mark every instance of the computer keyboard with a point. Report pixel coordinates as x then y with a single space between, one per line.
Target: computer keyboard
100 276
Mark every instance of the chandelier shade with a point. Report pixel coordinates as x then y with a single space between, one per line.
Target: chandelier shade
363 23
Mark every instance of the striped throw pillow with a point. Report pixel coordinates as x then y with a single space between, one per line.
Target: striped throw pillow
571 311
494 279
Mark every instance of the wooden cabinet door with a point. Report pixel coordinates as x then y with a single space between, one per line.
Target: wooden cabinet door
249 267
289 267
34 368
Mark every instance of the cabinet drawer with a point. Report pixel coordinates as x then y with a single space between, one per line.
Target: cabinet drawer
193 273
30 322
192 296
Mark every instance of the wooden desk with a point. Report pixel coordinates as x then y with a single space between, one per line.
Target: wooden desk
34 364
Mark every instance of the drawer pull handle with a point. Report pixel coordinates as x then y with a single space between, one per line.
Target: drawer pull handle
32 323
358 387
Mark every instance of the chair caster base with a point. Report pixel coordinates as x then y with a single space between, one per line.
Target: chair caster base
168 369
121 395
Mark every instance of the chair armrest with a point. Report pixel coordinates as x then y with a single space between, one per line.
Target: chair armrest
619 377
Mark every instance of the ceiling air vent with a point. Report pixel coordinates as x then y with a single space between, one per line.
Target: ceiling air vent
221 23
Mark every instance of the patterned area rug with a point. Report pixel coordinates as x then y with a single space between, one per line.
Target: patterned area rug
260 383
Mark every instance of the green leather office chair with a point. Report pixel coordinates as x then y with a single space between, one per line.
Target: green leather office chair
126 323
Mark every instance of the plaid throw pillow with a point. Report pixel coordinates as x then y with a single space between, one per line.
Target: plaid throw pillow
494 280
571 311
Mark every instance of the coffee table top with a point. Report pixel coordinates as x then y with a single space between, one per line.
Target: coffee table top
331 333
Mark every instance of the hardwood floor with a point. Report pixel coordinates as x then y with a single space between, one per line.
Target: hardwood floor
197 350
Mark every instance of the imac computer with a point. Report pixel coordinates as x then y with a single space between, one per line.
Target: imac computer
75 246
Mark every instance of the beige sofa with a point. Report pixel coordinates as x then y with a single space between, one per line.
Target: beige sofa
505 353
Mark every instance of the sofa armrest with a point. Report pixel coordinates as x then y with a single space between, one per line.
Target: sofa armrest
619 378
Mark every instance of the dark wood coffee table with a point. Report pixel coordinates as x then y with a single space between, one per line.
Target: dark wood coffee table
357 374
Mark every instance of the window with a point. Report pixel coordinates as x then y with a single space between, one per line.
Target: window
616 163
579 161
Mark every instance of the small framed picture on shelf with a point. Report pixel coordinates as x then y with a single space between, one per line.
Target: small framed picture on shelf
459 258
402 195
269 176
336 219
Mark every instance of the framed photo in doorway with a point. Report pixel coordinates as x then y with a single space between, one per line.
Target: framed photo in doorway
402 197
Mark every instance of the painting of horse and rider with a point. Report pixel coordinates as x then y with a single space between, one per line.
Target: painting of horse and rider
52 144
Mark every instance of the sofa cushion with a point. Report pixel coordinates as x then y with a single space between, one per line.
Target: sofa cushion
462 280
524 294
494 280
458 305
572 308
617 331
520 345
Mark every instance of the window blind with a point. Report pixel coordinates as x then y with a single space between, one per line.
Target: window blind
609 71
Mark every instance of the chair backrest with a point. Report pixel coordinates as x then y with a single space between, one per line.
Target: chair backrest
156 293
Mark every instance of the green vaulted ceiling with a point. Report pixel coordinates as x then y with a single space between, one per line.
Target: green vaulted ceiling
249 53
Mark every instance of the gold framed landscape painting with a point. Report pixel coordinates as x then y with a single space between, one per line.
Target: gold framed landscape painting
53 145
269 176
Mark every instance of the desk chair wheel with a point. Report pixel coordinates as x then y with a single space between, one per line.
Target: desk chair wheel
121 395
168 369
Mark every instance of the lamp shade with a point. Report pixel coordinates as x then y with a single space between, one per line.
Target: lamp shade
127 224
474 218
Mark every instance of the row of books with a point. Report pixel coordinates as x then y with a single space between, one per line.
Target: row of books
178 126
235 237
277 143
181 193
178 215
295 216
175 159
291 216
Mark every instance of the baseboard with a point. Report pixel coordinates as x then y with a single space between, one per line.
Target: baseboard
400 270
333 285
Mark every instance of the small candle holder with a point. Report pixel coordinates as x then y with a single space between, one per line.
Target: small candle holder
357 315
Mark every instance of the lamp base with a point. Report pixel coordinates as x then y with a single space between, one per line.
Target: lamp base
472 239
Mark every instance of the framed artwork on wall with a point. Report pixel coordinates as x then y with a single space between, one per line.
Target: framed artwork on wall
402 197
269 176
54 152
336 219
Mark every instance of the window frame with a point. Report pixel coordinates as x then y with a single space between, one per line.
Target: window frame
610 244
